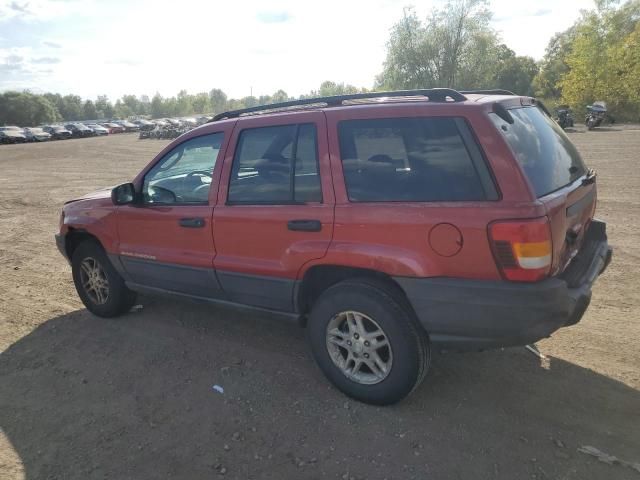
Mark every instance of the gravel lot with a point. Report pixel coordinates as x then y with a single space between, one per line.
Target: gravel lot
132 398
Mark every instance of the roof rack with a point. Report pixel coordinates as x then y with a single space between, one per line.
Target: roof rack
496 91
433 94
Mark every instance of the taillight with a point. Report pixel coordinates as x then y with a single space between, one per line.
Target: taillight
522 248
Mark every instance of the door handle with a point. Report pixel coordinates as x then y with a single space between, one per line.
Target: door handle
304 225
191 222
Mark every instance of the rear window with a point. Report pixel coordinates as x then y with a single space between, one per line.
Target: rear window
547 156
412 160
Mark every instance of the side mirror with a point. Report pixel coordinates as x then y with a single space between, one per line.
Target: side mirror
123 194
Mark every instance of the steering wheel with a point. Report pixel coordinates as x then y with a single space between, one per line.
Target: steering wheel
200 189
201 173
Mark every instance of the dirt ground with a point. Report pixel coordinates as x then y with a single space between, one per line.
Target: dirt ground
132 398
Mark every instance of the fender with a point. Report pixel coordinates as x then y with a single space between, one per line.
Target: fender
97 218
393 261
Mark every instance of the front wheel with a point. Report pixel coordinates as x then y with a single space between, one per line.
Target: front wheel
100 287
366 341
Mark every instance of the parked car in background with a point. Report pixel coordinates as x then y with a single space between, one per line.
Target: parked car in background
12 135
79 130
144 125
113 127
58 132
190 122
98 129
128 126
36 134
161 122
387 226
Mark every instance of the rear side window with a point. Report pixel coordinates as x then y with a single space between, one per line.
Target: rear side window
547 156
412 160
276 165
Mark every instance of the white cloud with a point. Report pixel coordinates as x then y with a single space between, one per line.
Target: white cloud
51 44
527 27
37 10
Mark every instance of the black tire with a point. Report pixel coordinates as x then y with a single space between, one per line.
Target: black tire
119 299
390 310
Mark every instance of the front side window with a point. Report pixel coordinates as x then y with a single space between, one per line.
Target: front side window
183 176
410 160
276 165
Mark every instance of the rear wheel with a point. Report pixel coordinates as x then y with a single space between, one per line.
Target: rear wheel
100 287
365 339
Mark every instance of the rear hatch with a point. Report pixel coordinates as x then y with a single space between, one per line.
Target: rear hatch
557 176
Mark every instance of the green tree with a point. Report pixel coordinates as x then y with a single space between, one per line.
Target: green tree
71 107
514 73
132 105
218 100
104 108
602 63
122 110
89 111
26 109
553 66
157 106
183 105
201 103
449 49
144 106
279 97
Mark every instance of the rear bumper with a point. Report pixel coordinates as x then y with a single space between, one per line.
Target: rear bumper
475 314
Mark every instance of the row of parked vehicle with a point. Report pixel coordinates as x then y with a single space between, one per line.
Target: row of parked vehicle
43 133
168 128
161 128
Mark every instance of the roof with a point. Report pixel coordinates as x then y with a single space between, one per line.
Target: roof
431 95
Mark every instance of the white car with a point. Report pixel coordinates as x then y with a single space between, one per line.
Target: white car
98 129
36 134
12 135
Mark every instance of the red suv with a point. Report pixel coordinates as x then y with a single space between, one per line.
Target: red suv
387 223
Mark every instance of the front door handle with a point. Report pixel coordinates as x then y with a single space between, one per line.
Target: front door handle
191 222
304 225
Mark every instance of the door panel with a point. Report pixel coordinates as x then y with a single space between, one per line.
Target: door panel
157 251
258 255
166 238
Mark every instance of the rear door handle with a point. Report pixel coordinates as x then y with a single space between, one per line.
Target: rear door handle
191 222
304 225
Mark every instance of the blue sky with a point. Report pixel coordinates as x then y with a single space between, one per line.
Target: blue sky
93 47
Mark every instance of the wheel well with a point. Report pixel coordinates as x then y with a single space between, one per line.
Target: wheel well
75 237
319 278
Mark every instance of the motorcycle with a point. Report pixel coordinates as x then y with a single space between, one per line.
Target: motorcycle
565 116
596 113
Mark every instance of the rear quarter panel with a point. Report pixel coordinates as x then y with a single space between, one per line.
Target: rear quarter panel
394 237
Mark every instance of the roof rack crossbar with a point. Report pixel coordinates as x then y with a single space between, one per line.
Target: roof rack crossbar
434 95
497 91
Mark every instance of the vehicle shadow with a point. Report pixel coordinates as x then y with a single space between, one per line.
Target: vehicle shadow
132 398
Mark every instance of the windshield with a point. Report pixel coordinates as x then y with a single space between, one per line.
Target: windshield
545 153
